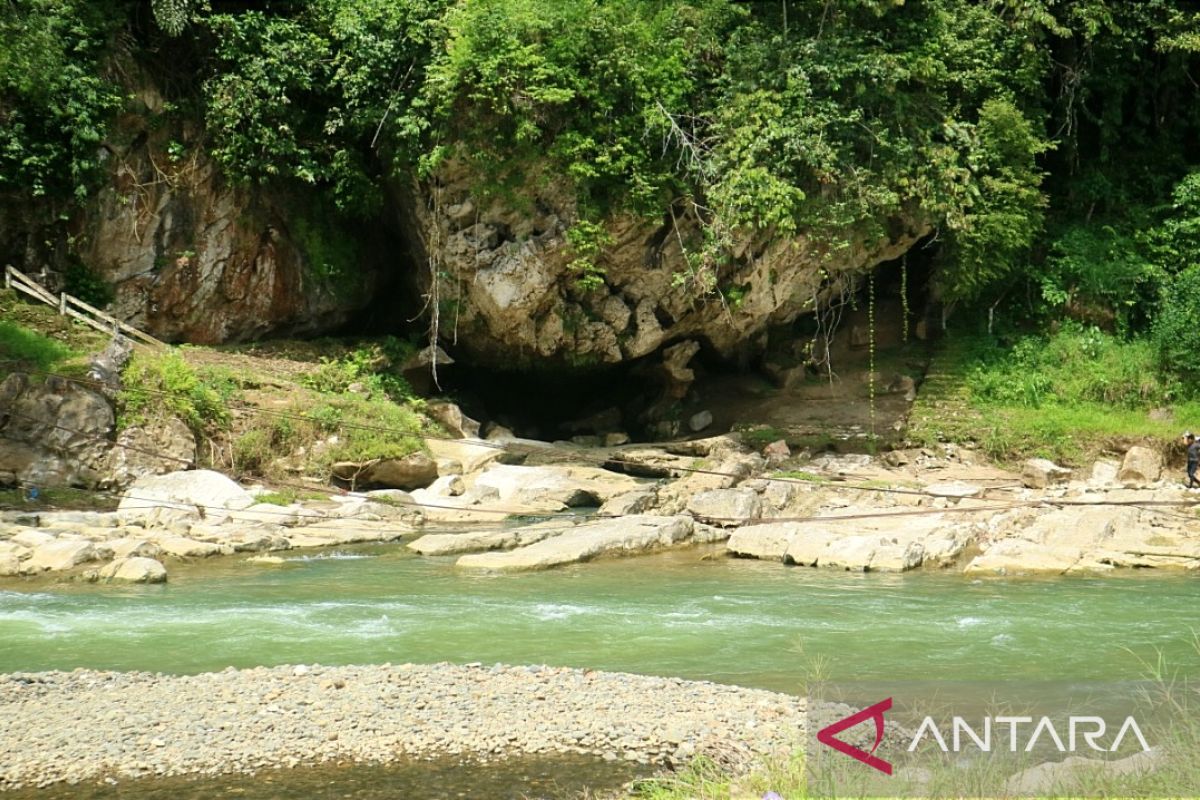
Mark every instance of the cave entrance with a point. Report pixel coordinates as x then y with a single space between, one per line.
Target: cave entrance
781 385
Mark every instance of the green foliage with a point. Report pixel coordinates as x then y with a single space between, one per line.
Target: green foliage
587 240
1076 365
319 433
55 99
1176 330
88 285
375 367
29 349
998 225
166 385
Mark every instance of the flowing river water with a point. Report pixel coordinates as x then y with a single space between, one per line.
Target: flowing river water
746 622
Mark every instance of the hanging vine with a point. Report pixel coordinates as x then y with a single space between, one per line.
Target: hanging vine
871 351
904 298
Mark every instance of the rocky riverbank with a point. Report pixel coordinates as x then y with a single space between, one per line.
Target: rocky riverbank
85 725
508 504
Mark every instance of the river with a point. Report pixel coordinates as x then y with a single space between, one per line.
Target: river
745 622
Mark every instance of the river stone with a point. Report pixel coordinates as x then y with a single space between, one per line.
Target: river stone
31 538
627 503
728 507
897 557
1040 473
623 536
699 421
442 544
452 418
182 492
1104 473
1019 557
954 489
852 553
128 546
768 541
59 555
473 453
810 547
182 547
134 569
1140 467
11 556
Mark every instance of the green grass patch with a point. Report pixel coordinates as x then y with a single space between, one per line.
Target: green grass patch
286 496
323 430
1066 397
156 385
25 348
58 498
704 779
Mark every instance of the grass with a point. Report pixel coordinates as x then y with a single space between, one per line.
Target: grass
323 429
58 498
165 384
286 496
704 779
35 336
1069 397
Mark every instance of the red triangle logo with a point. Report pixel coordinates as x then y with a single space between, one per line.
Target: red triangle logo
828 736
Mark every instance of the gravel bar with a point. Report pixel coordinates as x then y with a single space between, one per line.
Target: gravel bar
85 725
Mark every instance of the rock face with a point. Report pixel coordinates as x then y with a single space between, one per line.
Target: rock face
509 275
626 536
160 446
53 433
1140 467
194 258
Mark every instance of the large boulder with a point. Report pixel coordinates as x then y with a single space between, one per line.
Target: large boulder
766 541
59 555
726 507
553 487
1141 466
134 569
444 544
54 432
1021 557
413 471
452 418
624 536
202 492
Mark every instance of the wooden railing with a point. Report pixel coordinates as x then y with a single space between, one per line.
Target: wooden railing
75 308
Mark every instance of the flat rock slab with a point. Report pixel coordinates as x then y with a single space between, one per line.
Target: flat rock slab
624 536
553 487
445 544
59 555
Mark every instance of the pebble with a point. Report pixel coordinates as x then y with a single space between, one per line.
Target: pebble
125 724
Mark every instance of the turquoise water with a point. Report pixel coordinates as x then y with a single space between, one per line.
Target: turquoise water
745 622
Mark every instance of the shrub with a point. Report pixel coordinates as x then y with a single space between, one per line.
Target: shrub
156 385
1176 331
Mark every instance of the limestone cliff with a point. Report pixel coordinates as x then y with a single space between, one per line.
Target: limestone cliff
508 294
192 258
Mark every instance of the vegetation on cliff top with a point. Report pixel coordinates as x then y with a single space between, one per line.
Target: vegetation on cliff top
1051 147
